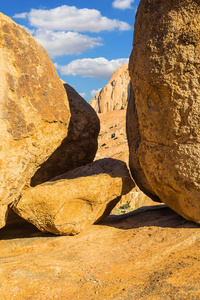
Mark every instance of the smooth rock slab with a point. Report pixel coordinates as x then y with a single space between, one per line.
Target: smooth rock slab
163 117
148 254
34 110
72 202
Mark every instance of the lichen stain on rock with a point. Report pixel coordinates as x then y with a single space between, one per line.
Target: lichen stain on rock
11 81
18 126
158 97
191 32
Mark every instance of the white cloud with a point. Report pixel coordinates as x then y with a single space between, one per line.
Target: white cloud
92 67
122 4
71 18
65 43
94 92
83 94
21 16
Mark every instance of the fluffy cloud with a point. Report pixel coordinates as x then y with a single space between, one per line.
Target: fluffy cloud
94 92
73 19
60 43
59 29
122 4
97 67
21 16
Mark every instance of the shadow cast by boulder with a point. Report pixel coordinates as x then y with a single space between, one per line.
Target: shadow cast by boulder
158 215
18 228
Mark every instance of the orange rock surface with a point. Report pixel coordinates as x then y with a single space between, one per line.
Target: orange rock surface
80 145
149 254
71 202
115 94
34 110
163 114
112 142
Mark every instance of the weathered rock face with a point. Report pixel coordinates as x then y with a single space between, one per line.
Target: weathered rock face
34 110
163 119
80 145
112 137
115 94
146 254
113 143
73 201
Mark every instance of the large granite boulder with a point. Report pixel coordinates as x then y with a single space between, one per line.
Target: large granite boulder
163 118
34 110
72 202
80 145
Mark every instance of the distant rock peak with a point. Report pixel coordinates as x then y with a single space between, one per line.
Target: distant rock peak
115 95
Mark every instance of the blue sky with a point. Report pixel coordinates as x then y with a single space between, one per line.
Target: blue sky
86 40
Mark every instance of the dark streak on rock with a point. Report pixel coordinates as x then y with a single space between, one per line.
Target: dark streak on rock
17 124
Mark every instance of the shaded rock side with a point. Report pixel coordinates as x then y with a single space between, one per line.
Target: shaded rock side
80 145
163 117
71 202
34 110
115 94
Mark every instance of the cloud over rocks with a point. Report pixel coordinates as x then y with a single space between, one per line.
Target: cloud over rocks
122 4
60 30
58 43
94 92
70 18
92 67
